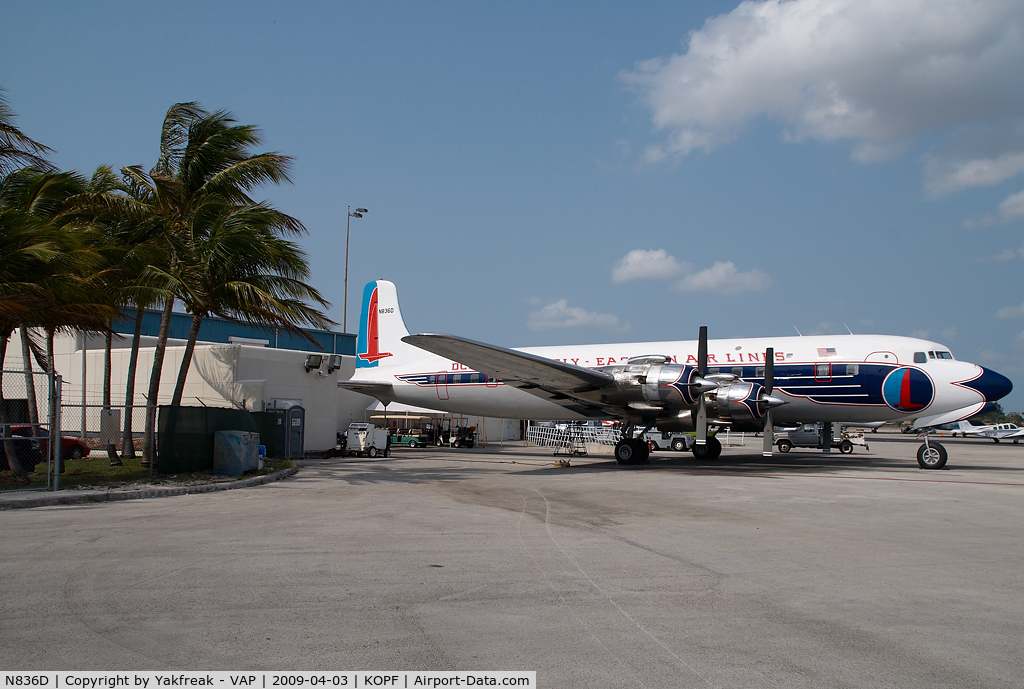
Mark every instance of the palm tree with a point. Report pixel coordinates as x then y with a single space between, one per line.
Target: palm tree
16 149
204 159
47 273
242 270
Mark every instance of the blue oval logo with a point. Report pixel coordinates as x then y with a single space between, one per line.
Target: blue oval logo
908 390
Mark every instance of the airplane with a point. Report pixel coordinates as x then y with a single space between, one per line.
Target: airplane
997 431
744 384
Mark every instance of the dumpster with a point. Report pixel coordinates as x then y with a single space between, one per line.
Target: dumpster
235 452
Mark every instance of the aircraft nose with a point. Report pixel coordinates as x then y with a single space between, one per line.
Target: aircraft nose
992 385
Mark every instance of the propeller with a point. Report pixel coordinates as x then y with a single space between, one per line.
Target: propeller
701 436
769 401
769 383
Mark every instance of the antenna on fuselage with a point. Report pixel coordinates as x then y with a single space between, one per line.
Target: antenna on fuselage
848 328
798 331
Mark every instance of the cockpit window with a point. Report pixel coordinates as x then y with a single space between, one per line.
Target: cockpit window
931 355
920 357
943 355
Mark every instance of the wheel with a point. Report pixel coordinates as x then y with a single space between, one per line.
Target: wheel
439 442
785 445
624 452
711 450
387 451
653 446
632 451
412 444
995 440
74 453
371 453
931 456
678 445
846 447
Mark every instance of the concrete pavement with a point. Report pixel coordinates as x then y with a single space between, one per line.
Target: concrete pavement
806 571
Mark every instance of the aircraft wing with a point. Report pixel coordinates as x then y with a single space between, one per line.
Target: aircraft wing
382 391
556 381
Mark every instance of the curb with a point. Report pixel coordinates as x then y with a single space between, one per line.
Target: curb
45 500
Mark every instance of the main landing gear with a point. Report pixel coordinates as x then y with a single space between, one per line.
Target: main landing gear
712 449
632 451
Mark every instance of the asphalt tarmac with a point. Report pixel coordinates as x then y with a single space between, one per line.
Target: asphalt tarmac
808 570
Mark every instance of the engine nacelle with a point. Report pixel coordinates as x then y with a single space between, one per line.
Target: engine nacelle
737 401
652 385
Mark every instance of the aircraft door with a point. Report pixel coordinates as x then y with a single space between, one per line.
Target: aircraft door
442 385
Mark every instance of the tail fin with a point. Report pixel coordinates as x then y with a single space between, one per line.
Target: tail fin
381 328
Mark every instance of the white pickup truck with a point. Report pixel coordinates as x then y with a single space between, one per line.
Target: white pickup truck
812 435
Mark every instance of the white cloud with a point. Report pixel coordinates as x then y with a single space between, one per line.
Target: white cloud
1011 312
949 333
877 72
560 315
921 334
640 264
944 175
1012 207
724 278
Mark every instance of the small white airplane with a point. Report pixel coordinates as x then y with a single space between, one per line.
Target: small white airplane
996 431
743 384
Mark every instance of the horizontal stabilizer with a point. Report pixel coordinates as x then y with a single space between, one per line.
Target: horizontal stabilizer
384 392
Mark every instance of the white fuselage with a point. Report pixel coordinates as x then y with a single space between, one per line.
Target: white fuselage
821 378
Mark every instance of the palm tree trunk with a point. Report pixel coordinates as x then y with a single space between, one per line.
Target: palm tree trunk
30 381
18 472
186 360
107 346
127 441
51 392
148 449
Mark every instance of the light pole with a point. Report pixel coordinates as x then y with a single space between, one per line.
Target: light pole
357 213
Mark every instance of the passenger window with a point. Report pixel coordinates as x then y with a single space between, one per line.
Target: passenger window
823 371
759 372
920 357
712 371
852 369
737 371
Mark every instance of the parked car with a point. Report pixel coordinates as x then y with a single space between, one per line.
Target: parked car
70 448
28 450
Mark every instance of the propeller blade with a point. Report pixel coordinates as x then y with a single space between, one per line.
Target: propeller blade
769 383
769 434
701 436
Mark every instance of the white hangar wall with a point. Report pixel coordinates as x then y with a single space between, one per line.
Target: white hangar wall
221 375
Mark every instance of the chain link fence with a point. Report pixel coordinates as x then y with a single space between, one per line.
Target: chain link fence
27 418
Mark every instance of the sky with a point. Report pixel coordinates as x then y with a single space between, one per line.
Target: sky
552 173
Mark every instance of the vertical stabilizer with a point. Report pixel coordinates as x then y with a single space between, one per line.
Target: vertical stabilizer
381 328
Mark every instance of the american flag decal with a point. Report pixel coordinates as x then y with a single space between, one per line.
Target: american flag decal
827 351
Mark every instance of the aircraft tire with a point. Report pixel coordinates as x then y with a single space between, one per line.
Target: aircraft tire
678 445
785 445
846 447
632 451
712 450
931 456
